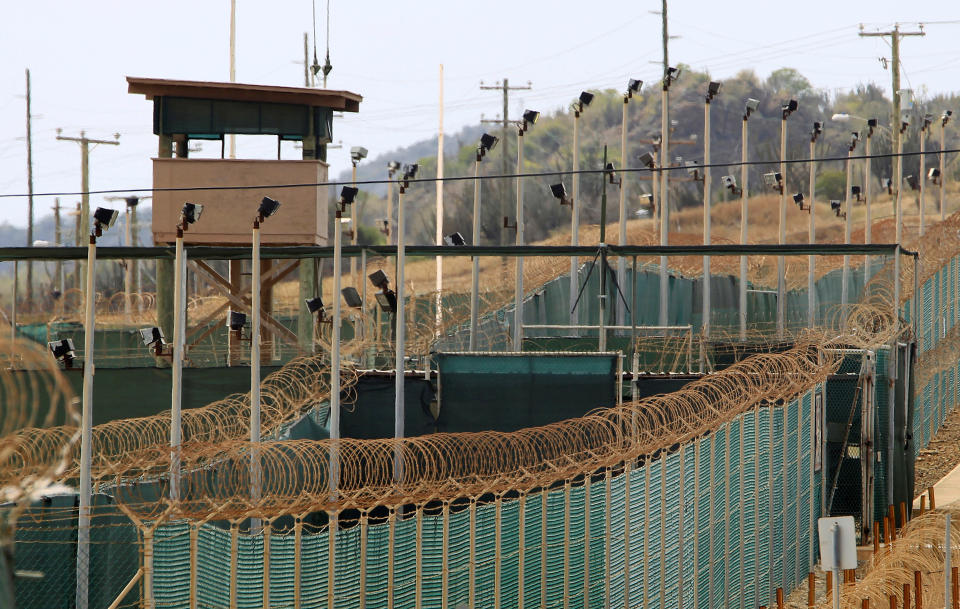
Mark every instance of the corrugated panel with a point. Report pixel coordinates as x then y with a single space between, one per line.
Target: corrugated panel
672 472
509 552
171 563
405 563
281 570
598 543
688 559
778 500
555 543
213 580
250 572
575 547
792 490
748 469
654 560
733 541
719 525
638 547
533 545
378 537
618 520
704 500
486 553
346 589
431 560
763 507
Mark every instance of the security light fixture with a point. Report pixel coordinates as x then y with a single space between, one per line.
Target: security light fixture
132 201
530 117
888 184
855 192
611 173
927 119
904 122
773 180
798 199
646 159
730 182
912 181
750 107
836 206
712 89
103 218
392 168
945 117
633 86
385 226
63 351
190 213
647 199
347 196
873 123
582 102
934 175
693 168
352 297
789 107
410 171
357 154
560 193
237 321
454 239
314 304
152 336
487 143
379 280
854 138
670 76
817 130
387 301
267 208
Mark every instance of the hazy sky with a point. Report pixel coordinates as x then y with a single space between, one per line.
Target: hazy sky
79 54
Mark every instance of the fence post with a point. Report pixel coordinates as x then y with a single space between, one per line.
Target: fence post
445 553
364 525
521 547
587 483
391 540
297 565
266 563
234 543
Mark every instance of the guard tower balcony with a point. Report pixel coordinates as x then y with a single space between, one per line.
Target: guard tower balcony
192 110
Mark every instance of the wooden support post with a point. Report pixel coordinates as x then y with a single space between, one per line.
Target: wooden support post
887 536
811 590
148 600
917 590
955 587
933 504
266 564
923 503
391 539
903 514
876 537
194 563
779 598
829 584
893 601
865 603
331 557
297 565
906 596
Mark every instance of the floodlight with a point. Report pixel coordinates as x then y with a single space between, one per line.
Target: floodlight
750 107
934 175
611 172
788 108
646 198
358 153
347 195
854 138
237 321
560 193
904 122
268 207
945 117
927 119
392 168
352 297
731 183
888 184
387 301
872 123
132 201
190 213
104 218
773 179
379 279
584 100
410 171
151 336
912 182
386 226
63 351
454 239
487 143
314 304
712 89
836 206
693 168
671 75
646 159
855 192
633 85
530 117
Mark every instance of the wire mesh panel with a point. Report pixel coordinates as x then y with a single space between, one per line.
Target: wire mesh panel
510 547
654 536
704 480
597 533
719 524
405 562
748 511
171 562
617 540
638 523
672 519
346 590
690 535
555 546
431 559
575 548
533 547
764 519
486 553
458 557
733 534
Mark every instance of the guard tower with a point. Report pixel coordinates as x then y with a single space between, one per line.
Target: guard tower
194 110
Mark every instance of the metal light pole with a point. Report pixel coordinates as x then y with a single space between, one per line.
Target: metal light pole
868 196
400 331
103 218
345 198
847 218
176 364
633 86
392 168
578 106
785 111
811 292
518 286
899 201
924 128
751 105
944 119
712 89
487 142
669 76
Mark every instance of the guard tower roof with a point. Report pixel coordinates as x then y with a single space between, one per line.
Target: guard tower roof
343 101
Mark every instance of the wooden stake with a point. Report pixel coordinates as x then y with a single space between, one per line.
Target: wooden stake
933 505
829 584
811 590
903 514
876 537
779 598
906 596
865 603
893 601
923 503
886 531
917 590
893 522
955 583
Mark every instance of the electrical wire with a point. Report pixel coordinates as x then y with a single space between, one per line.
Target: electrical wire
466 178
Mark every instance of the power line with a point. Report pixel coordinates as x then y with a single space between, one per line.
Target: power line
471 177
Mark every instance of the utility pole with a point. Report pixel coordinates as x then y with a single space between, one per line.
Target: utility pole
504 142
58 241
895 35
666 37
233 64
29 191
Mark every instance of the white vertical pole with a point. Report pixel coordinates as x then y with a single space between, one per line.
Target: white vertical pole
518 288
812 237
391 232
744 218
706 221
899 200
86 432
179 297
868 202
943 175
574 218
255 371
848 217
781 261
233 64
621 261
439 235
947 549
923 179
335 352
475 275
664 196
398 409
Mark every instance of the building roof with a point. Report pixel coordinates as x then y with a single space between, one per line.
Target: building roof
344 101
